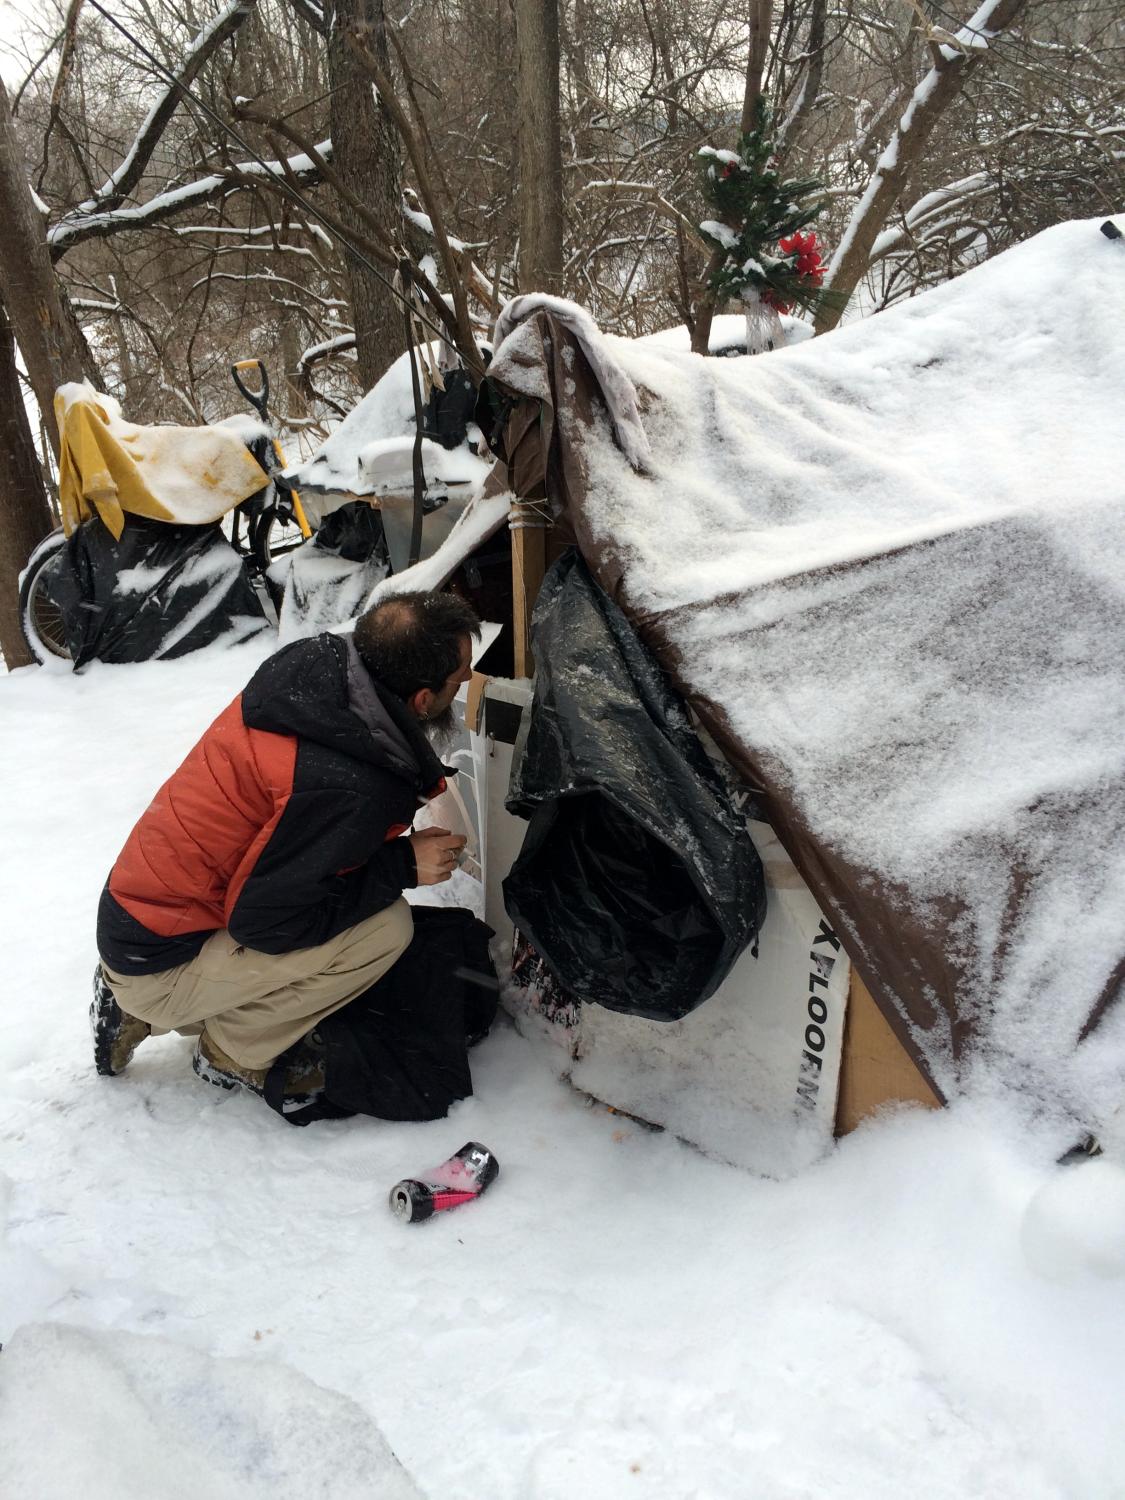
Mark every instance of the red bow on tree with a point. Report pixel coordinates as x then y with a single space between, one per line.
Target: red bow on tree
809 267
809 264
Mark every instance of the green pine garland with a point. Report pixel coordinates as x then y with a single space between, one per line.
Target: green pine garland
754 209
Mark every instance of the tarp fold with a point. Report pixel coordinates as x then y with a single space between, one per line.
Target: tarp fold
637 883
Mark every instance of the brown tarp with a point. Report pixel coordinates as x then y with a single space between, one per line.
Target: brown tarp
916 953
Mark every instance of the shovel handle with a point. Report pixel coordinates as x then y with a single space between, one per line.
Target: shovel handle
259 399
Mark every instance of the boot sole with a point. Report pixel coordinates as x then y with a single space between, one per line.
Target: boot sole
103 1013
100 1013
203 1069
103 1047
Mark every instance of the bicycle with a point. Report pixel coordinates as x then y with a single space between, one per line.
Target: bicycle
262 529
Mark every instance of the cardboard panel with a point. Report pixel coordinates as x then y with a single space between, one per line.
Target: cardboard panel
876 1068
752 1075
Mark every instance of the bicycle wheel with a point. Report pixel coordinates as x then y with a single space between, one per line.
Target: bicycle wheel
272 536
41 621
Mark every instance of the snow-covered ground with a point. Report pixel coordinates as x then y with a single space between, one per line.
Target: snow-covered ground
197 1300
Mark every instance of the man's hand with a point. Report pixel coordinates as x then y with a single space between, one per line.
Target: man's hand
435 854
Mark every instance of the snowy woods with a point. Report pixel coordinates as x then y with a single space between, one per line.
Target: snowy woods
183 186
826 818
179 249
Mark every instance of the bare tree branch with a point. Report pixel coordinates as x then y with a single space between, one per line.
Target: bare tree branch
77 226
466 344
206 43
928 103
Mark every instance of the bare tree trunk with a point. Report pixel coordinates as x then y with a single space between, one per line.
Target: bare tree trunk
294 404
25 514
931 98
366 154
760 13
537 96
50 340
808 90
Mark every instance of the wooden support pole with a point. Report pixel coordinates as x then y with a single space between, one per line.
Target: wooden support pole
528 525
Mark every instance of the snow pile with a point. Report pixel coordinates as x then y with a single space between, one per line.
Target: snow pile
618 1316
370 452
728 335
949 716
110 1415
1075 1225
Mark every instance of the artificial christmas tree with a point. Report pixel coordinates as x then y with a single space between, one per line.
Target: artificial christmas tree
768 263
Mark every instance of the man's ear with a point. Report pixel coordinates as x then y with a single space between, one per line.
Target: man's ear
420 703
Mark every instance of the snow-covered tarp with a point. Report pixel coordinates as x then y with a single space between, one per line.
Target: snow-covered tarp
191 475
370 452
159 590
886 566
892 561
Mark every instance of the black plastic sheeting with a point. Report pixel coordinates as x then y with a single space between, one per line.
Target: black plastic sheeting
353 532
637 883
161 591
399 1051
447 413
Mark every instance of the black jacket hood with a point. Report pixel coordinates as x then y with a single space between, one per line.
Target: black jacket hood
319 690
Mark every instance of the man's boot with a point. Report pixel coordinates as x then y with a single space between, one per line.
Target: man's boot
116 1035
304 1075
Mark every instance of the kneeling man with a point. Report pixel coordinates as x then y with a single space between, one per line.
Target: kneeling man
262 888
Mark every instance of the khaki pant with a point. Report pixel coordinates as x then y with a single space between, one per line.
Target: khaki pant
255 1005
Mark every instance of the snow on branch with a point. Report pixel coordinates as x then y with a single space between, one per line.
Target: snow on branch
316 352
423 222
946 43
475 279
76 227
313 13
128 174
333 305
933 94
265 230
259 240
92 305
919 215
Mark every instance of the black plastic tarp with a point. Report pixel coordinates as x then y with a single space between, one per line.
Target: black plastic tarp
637 883
161 591
399 1051
330 577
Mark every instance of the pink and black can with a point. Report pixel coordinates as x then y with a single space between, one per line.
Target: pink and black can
459 1180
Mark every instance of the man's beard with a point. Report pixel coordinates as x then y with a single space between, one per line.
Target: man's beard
441 730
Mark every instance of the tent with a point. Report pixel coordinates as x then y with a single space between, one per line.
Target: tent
884 568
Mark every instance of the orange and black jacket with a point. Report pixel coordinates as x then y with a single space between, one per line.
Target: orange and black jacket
282 824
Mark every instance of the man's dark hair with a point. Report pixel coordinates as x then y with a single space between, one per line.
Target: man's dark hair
413 641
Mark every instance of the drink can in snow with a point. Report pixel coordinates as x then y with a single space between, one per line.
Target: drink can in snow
459 1180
